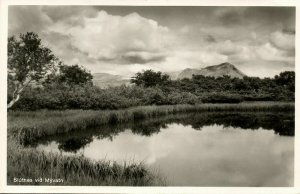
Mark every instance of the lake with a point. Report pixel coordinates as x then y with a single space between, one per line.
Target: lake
207 149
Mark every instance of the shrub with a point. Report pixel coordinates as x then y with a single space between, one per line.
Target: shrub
154 96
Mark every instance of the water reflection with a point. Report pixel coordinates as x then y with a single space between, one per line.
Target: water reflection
233 149
74 144
282 124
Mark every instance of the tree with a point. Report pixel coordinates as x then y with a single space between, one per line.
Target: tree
28 61
71 75
286 79
150 78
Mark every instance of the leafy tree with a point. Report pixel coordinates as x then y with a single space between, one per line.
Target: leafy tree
286 79
28 61
71 75
150 78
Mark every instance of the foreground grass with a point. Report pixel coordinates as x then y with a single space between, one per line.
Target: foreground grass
26 127
28 163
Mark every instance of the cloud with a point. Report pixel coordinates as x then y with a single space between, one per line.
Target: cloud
24 19
263 51
269 53
124 40
284 40
118 39
142 57
61 45
227 47
199 58
231 16
70 13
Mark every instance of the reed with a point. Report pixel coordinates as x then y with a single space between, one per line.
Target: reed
74 170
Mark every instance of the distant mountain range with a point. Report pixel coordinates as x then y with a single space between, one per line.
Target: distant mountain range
104 80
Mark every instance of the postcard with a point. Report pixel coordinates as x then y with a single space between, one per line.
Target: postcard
149 97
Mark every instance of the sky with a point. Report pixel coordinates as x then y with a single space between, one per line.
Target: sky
122 40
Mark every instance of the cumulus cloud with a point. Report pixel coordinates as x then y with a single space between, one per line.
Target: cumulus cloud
264 51
228 47
269 53
283 40
118 39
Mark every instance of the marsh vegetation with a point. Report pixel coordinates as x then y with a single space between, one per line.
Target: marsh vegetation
75 129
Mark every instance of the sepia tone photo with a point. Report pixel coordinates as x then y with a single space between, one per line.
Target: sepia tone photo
193 96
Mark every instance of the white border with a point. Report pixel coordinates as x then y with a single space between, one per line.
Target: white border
95 189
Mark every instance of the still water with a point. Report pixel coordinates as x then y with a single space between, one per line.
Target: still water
233 149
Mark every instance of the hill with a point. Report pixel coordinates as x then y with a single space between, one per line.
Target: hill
213 71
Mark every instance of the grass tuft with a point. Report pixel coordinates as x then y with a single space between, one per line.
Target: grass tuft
75 170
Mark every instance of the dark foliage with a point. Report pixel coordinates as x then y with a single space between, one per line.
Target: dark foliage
71 75
150 78
199 89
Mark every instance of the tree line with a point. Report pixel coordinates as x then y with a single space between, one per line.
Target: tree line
39 80
214 89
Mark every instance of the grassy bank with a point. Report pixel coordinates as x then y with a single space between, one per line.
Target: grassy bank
26 127
29 164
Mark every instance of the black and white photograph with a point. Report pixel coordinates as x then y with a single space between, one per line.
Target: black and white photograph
149 95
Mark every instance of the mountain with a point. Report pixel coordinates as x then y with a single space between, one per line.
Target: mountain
213 71
188 73
105 80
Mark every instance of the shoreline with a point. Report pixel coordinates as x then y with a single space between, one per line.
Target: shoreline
24 127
